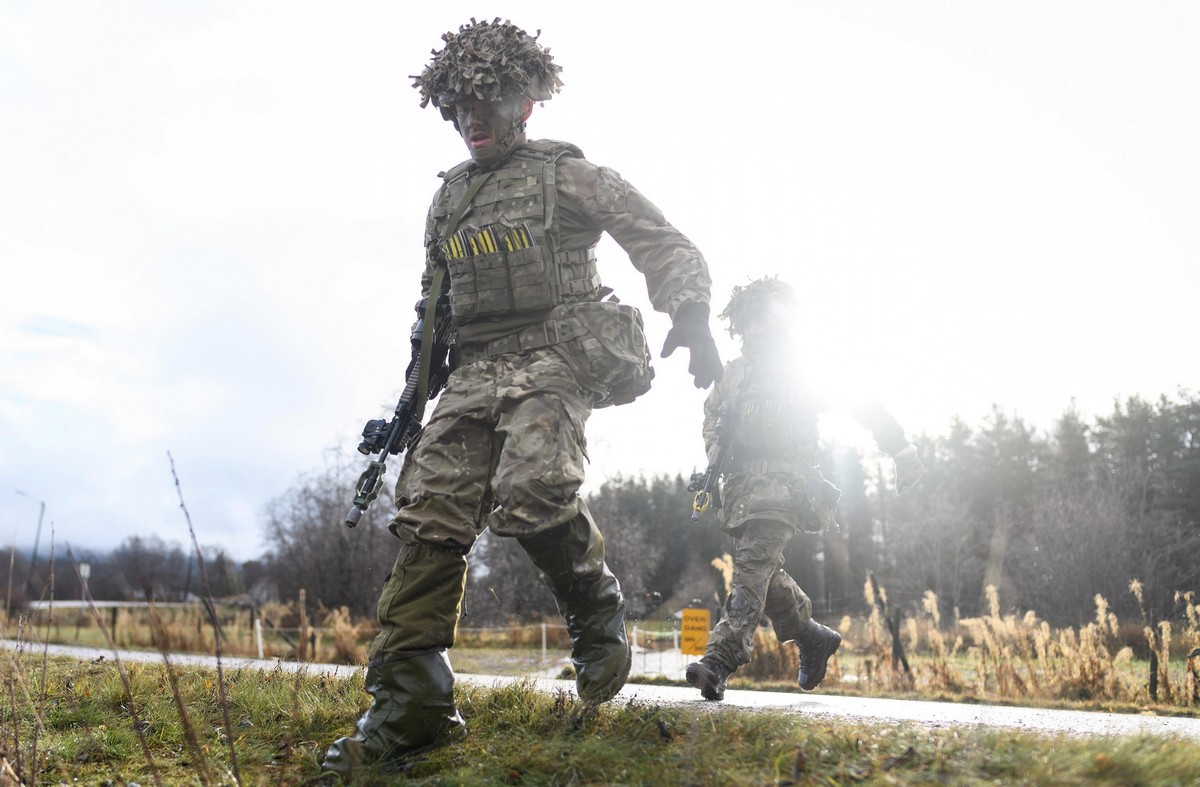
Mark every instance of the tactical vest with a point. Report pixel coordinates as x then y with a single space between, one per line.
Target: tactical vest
503 255
774 419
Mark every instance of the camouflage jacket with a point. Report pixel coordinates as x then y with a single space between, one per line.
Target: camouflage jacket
773 471
591 200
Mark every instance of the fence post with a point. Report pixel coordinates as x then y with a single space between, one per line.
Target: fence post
258 635
302 640
1153 672
1191 668
543 643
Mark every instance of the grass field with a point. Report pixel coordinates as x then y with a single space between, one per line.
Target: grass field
65 721
79 723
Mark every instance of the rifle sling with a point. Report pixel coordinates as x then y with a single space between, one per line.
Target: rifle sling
431 302
465 202
426 363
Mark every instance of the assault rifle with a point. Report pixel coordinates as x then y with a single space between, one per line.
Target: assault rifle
706 485
387 437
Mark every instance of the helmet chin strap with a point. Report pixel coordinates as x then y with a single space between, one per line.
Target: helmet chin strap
502 147
507 140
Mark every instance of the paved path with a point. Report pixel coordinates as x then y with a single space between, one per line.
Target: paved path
933 714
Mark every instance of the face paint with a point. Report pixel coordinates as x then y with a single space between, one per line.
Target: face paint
489 128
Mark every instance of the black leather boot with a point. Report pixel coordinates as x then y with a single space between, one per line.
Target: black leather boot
571 559
817 643
710 676
413 710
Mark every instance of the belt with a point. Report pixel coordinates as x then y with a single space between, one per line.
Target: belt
765 466
531 337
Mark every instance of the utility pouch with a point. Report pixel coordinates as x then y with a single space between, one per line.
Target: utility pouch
816 500
610 354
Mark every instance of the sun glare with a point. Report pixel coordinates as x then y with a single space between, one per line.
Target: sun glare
839 381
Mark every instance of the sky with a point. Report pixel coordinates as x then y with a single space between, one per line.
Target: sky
211 218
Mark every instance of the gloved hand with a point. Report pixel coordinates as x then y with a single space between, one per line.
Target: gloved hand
690 330
908 467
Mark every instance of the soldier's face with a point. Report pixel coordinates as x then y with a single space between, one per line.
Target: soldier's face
485 124
770 327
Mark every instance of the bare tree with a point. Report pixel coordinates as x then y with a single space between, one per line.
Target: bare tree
312 549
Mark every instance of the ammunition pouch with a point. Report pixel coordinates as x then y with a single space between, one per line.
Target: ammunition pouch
532 279
771 425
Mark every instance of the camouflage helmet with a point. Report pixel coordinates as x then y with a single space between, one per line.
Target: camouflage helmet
765 298
490 61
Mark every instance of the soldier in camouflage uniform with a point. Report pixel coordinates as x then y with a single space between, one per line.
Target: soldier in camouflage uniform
514 229
772 486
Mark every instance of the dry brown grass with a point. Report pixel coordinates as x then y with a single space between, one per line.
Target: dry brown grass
770 659
993 657
1004 657
345 635
515 634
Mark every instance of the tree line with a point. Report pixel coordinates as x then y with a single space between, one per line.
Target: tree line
140 567
1050 519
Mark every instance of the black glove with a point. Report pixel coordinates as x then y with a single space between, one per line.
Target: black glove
690 330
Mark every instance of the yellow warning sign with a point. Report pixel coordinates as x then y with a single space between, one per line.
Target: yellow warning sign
695 632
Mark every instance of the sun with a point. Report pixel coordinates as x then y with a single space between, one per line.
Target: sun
839 382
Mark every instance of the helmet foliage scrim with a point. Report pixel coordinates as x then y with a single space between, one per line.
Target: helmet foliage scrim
765 298
490 61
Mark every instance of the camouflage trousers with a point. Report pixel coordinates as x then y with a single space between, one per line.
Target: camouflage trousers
503 449
760 585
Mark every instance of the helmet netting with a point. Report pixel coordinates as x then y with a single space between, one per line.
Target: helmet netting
489 61
756 299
